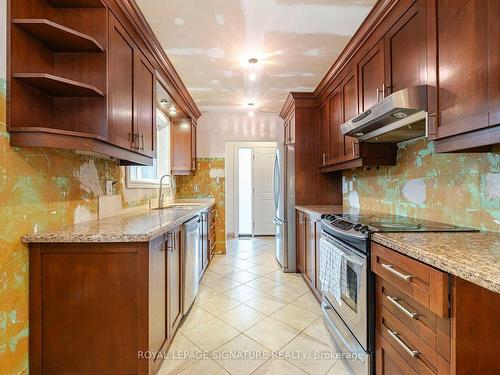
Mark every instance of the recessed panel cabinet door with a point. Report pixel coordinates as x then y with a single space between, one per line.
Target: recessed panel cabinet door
494 60
145 116
463 65
181 147
371 77
310 256
336 118
405 50
193 146
121 84
301 240
350 110
324 134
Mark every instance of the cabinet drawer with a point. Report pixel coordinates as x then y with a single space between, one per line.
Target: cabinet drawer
426 285
410 346
434 330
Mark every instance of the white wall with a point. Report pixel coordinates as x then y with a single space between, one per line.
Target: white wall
214 129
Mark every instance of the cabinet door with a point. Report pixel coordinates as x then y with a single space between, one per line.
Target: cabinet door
405 50
310 253
371 77
336 120
349 110
463 66
120 84
292 130
174 284
193 147
144 108
158 330
388 361
301 241
181 146
324 133
494 60
317 283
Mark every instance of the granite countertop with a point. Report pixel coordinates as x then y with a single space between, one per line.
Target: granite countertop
472 256
320 209
138 227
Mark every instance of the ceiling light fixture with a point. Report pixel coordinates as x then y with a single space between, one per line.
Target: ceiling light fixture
250 104
253 60
172 110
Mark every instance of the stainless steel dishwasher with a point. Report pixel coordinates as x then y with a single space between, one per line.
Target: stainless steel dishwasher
191 261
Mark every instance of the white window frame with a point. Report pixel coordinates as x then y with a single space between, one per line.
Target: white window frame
162 157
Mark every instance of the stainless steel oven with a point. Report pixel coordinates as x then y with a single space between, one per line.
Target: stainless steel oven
346 314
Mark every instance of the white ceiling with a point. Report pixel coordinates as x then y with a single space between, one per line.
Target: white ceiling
210 41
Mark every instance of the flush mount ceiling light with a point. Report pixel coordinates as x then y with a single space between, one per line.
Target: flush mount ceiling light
253 60
164 101
172 110
251 104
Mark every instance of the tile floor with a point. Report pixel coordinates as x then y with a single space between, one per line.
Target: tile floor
251 318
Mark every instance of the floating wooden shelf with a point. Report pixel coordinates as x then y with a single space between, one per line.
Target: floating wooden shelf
58 86
76 3
58 38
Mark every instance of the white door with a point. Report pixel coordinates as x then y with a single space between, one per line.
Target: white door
263 198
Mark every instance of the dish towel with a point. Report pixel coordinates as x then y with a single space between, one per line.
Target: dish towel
330 268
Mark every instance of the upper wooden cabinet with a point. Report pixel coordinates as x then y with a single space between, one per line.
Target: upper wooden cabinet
183 141
289 128
88 79
468 81
405 50
371 77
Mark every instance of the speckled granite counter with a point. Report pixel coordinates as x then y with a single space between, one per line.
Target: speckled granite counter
139 227
320 209
474 257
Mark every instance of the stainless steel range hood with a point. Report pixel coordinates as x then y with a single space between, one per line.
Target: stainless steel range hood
399 117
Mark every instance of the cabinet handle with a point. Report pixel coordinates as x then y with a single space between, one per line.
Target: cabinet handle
324 158
383 90
390 268
170 242
142 142
395 336
395 302
378 94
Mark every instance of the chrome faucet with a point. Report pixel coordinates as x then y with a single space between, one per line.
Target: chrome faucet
172 185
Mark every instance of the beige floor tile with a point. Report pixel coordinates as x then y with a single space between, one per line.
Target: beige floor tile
210 334
318 331
318 357
278 367
204 293
181 354
262 284
242 317
281 277
271 333
209 275
204 367
243 264
266 304
242 293
222 269
247 355
222 284
308 302
196 316
286 293
297 283
294 317
244 255
340 367
219 304
260 270
242 276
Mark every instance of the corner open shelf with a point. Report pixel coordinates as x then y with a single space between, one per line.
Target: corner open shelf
58 86
58 38
76 3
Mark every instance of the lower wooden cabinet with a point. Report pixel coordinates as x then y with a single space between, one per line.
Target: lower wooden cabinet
308 229
428 322
104 308
211 232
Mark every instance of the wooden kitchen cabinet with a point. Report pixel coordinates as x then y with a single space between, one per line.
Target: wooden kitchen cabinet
442 319
324 134
289 129
194 140
183 141
349 93
211 232
310 252
88 79
468 66
371 77
405 50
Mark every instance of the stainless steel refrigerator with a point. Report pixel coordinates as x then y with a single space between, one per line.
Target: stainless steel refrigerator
284 203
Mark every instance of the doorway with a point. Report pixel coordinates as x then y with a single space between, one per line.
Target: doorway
249 188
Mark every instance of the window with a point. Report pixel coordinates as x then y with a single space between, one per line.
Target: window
149 177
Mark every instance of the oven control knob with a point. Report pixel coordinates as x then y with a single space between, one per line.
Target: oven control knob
364 229
358 227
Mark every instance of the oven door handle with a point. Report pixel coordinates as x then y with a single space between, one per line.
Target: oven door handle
357 262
